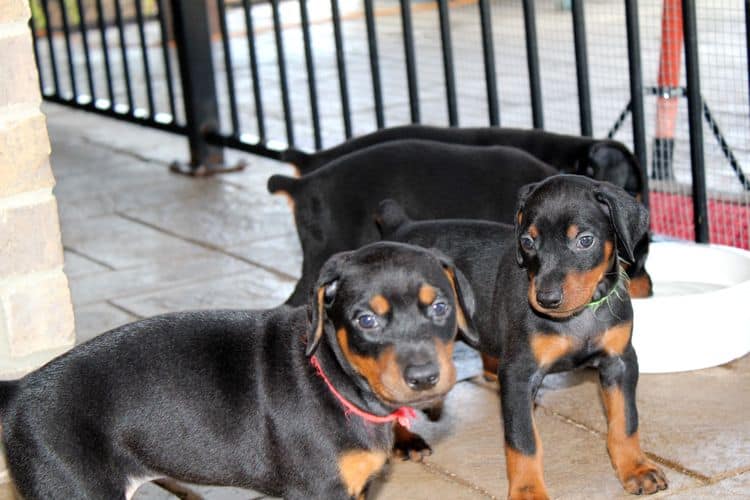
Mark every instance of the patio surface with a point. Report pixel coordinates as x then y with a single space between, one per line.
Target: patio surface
140 241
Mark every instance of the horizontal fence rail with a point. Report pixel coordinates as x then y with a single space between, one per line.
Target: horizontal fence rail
271 76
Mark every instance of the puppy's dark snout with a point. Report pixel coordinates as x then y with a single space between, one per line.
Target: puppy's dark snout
549 299
422 377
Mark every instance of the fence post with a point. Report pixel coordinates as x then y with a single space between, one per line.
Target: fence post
582 67
695 121
636 89
193 39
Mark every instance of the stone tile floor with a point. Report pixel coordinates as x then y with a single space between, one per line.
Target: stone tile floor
140 241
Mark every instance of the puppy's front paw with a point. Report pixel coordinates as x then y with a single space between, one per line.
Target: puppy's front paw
528 493
644 478
410 446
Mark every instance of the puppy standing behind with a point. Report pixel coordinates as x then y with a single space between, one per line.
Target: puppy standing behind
600 159
232 398
333 206
559 300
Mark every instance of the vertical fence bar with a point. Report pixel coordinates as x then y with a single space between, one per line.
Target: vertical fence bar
124 52
82 26
164 34
341 64
227 50
636 85
450 78
311 81
37 60
253 55
488 51
69 50
582 67
695 117
105 52
532 61
281 60
372 46
144 56
409 54
51 45
747 42
193 39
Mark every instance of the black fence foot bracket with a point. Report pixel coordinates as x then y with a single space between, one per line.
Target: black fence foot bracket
205 169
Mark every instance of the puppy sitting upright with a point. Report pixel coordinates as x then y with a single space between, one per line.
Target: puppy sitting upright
294 402
559 300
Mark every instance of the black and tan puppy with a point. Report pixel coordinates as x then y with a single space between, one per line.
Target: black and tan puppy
292 402
601 159
559 301
333 206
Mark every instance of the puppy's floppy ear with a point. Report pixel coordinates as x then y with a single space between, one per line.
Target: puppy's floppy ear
323 296
389 217
523 195
465 302
613 162
628 217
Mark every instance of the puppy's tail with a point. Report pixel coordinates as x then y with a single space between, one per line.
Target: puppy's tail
301 160
282 183
7 391
389 217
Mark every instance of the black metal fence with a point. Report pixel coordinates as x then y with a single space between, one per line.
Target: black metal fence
667 77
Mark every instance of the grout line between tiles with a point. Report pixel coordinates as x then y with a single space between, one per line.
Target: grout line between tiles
124 309
207 246
138 265
171 286
86 256
122 151
729 474
702 478
454 478
146 159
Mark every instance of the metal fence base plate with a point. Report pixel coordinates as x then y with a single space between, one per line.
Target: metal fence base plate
205 170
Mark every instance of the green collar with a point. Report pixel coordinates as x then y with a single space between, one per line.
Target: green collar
623 280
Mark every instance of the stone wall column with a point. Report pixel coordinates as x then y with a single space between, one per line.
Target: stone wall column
36 314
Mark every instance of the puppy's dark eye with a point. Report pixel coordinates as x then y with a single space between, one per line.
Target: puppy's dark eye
367 321
527 242
585 241
439 308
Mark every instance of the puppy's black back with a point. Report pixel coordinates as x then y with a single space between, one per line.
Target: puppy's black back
334 205
561 151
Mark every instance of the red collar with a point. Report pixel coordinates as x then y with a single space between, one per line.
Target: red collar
403 415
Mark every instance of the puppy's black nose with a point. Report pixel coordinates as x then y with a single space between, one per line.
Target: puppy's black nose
422 377
549 299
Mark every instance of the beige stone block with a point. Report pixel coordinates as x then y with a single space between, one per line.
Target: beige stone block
24 155
19 82
14 10
38 314
4 476
7 491
30 238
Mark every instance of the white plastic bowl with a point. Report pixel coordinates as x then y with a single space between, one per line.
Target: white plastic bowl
699 315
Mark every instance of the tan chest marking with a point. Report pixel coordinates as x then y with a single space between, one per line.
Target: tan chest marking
549 348
357 467
615 340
